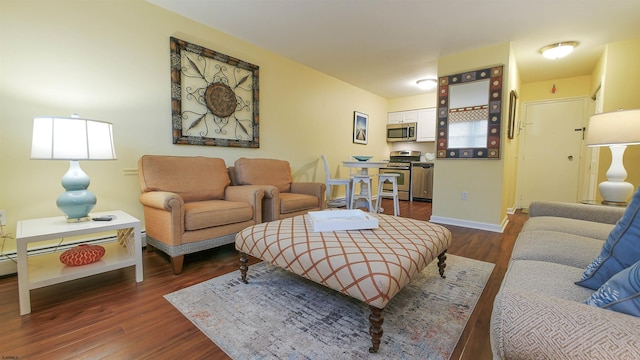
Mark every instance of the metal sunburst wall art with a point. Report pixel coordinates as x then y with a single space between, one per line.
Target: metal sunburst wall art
214 98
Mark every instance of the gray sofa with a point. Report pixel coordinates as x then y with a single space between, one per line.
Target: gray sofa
539 313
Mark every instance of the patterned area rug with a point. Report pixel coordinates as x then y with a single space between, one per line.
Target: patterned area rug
279 315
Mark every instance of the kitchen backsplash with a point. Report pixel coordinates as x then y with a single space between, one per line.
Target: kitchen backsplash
423 147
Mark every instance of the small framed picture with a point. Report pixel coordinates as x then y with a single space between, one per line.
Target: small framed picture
513 101
360 128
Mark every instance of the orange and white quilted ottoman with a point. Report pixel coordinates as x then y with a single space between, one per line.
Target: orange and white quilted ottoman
369 265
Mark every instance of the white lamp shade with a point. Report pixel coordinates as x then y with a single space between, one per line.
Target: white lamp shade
614 128
60 138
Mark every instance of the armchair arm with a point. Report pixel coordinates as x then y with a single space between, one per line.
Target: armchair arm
162 200
527 325
163 216
595 213
271 203
252 194
317 189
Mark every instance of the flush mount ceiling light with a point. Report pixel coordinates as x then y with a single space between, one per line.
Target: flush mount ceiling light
426 84
558 50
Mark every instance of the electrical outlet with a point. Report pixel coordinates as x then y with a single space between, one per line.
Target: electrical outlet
3 217
465 195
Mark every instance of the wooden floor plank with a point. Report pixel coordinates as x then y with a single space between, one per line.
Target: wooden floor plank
110 316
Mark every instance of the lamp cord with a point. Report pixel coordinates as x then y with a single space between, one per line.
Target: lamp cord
4 240
10 236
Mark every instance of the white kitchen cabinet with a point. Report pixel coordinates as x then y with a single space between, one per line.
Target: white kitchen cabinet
426 119
399 117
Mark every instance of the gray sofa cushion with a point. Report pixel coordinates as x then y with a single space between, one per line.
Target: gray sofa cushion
526 325
556 247
546 278
571 226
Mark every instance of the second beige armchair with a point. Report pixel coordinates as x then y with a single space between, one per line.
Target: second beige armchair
283 197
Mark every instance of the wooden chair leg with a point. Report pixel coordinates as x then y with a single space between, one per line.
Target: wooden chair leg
177 262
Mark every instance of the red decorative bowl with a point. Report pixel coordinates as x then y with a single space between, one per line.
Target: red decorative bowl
82 254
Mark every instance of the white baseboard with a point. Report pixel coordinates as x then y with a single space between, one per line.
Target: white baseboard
8 266
469 224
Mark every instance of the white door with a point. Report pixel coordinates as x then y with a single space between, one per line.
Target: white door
550 153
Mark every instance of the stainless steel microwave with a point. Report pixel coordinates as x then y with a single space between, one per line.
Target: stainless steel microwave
401 132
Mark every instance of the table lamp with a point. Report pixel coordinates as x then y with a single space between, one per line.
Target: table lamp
73 139
616 130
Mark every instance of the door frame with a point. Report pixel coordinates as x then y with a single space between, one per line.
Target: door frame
584 168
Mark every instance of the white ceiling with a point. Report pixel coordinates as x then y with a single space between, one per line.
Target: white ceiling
384 46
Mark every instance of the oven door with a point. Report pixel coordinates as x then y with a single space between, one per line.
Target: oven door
404 181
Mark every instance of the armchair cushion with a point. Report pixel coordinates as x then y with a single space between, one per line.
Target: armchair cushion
291 202
264 172
193 178
205 214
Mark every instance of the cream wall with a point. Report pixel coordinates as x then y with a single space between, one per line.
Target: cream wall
511 146
622 91
481 178
579 86
426 100
110 61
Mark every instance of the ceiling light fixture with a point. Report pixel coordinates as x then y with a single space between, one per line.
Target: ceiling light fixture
426 84
558 50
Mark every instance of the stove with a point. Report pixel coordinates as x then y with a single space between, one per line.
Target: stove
400 163
403 159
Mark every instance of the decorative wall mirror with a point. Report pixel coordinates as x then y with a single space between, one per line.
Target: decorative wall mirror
470 114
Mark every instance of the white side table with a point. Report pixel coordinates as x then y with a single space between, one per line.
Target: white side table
37 271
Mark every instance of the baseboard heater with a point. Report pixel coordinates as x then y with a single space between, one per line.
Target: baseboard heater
8 261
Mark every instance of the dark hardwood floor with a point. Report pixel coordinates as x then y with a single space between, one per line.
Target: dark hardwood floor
110 316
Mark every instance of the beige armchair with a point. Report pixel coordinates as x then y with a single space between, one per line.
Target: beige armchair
189 205
283 198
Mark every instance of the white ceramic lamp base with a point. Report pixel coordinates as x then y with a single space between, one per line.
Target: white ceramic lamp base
616 191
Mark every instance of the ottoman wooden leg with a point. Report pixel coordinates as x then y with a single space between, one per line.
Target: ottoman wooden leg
375 330
442 258
244 260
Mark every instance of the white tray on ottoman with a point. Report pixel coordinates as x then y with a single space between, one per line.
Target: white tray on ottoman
337 220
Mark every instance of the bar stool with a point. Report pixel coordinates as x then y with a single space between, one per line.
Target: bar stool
392 178
365 190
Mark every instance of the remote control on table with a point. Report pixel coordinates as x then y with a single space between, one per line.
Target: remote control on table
104 218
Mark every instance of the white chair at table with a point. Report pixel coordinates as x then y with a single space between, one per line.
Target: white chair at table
336 182
358 177
393 179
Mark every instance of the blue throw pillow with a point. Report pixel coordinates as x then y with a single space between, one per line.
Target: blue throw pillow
621 293
621 250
